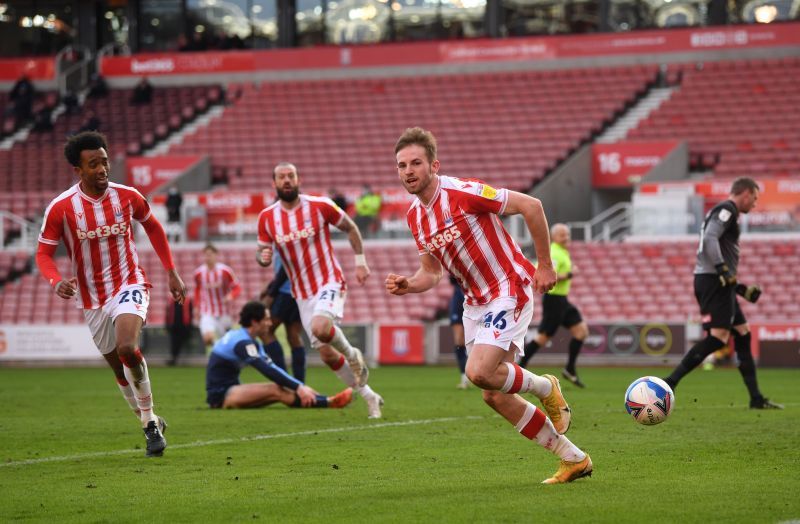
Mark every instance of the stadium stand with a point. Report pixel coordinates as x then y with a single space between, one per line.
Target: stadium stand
617 281
24 299
739 117
508 128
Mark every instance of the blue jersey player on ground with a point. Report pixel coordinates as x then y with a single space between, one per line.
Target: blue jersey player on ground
239 348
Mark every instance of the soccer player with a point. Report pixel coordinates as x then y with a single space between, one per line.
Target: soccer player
716 287
456 225
283 310
298 226
240 347
215 287
457 325
95 219
557 310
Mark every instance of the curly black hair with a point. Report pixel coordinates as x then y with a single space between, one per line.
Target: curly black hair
87 140
253 311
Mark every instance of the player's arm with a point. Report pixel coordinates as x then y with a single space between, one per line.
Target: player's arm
533 213
426 277
50 236
274 373
158 238
235 287
347 225
715 227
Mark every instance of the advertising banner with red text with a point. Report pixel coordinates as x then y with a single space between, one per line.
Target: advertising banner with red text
778 206
401 344
482 50
149 173
776 345
623 164
11 69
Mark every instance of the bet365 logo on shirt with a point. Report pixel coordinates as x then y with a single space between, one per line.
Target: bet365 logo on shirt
102 231
442 239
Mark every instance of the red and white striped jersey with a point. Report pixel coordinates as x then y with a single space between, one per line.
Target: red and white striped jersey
302 237
98 234
462 229
211 286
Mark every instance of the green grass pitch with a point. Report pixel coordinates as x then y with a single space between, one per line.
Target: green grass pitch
71 451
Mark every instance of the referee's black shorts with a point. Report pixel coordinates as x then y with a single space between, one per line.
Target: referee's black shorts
719 307
284 308
558 311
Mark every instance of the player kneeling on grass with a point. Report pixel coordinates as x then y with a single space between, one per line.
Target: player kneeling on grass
239 348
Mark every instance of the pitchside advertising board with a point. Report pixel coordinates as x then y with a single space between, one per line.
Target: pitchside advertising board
401 343
47 342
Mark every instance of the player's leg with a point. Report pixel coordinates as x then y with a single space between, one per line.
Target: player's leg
717 308
124 386
579 331
539 341
294 335
532 423
457 325
552 317
208 330
272 347
747 366
256 396
490 331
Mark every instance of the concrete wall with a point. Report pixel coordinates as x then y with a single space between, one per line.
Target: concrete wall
566 194
675 166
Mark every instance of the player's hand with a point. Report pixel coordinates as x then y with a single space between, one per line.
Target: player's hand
396 284
749 293
726 278
176 286
544 279
67 288
362 272
264 257
308 397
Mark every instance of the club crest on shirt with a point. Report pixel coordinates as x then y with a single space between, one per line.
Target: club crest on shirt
117 211
252 350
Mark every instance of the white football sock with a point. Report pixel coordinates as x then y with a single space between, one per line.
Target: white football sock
365 391
345 372
130 398
535 425
142 392
520 380
341 344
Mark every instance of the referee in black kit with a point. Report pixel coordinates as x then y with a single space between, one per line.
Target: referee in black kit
715 288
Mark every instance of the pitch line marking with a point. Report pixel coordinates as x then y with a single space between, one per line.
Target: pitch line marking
216 442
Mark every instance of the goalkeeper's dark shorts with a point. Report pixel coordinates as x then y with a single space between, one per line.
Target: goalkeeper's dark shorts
719 307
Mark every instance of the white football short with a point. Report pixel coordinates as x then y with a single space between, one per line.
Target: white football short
328 302
498 323
133 298
216 325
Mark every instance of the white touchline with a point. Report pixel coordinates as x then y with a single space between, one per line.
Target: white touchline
240 439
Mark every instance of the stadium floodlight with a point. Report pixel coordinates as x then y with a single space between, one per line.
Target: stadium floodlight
766 11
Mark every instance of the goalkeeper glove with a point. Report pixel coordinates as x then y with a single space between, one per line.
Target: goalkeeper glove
749 293
726 278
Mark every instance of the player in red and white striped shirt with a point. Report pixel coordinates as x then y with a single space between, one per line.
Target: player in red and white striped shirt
456 225
95 219
297 225
215 287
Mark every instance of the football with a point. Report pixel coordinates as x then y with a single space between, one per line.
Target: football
649 400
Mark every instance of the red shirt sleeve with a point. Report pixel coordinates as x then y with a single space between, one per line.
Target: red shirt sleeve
332 213
141 208
264 236
483 198
233 283
52 225
46 263
158 237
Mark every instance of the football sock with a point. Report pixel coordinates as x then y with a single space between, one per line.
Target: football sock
127 392
574 349
747 367
275 351
530 350
365 391
520 380
136 373
322 402
340 343
299 363
535 425
344 372
461 357
694 358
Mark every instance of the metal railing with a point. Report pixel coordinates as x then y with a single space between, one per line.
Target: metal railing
29 233
612 224
73 76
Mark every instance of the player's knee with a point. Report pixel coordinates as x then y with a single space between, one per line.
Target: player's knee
478 376
322 329
581 331
721 334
